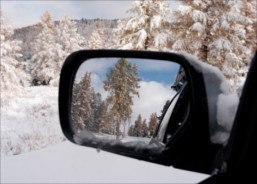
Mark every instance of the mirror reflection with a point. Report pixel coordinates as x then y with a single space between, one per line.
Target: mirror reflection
125 99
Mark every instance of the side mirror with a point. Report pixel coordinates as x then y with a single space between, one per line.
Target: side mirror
147 105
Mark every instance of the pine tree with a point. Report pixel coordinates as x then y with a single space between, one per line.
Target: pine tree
81 108
226 48
249 9
93 122
48 55
98 38
68 36
148 29
106 120
190 27
213 31
144 129
122 84
153 123
13 76
139 129
137 132
131 130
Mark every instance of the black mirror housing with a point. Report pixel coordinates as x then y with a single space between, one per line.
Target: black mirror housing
189 149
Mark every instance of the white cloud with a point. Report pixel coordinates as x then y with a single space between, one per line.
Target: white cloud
152 97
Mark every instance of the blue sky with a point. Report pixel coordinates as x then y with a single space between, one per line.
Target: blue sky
24 13
163 72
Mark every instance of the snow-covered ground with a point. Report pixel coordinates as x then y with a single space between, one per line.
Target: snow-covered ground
69 163
34 150
29 120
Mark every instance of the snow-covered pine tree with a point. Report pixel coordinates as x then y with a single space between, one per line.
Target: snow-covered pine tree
93 122
213 30
48 54
106 121
147 29
139 128
13 76
153 123
144 130
190 27
131 130
68 36
122 83
226 48
249 9
137 132
81 107
98 37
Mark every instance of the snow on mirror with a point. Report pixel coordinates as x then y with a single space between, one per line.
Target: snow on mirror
124 101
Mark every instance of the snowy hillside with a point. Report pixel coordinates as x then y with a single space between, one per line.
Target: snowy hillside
85 28
29 120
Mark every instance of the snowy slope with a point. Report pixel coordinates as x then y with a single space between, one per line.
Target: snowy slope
69 163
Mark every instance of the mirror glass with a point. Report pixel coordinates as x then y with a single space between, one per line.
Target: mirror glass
125 100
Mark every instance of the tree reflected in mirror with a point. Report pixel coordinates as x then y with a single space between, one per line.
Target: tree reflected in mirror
123 99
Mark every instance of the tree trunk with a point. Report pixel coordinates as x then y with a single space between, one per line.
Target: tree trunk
117 131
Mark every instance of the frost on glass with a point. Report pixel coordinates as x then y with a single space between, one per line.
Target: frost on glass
122 101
